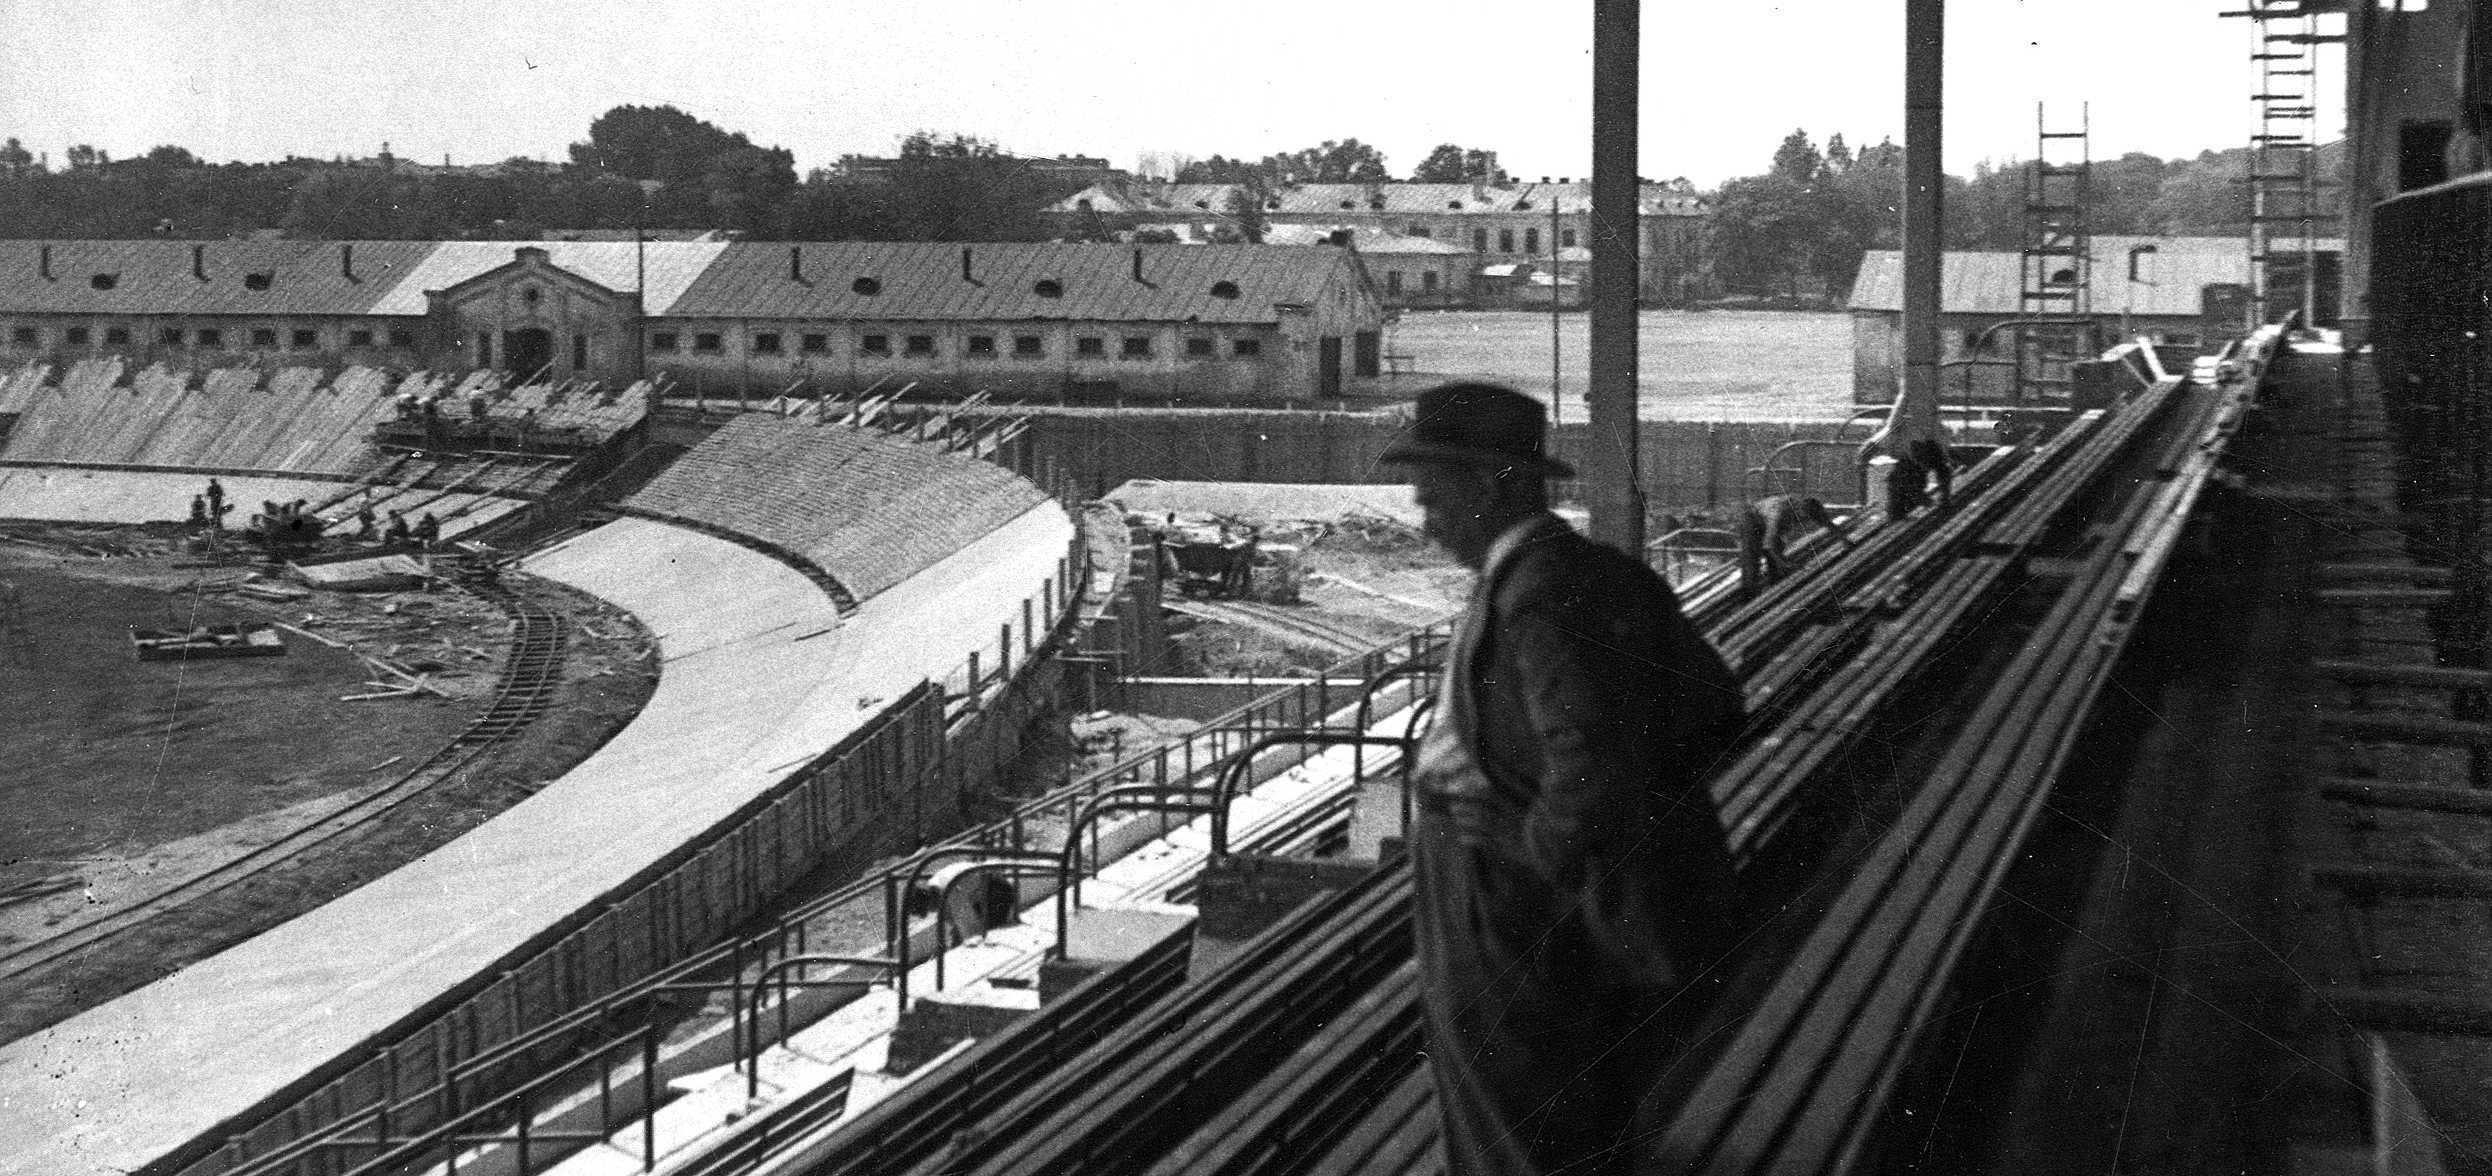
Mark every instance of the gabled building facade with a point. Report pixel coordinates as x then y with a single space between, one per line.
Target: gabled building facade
1179 324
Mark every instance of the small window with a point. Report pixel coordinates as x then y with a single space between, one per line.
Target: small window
1349 204
1566 238
77 336
1422 231
1048 288
1028 345
531 295
982 346
169 336
875 345
306 340
1136 347
257 281
484 349
210 337
263 336
1393 281
1505 240
868 287
1375 206
1456 205
708 341
22 336
359 338
579 352
1531 240
1198 347
1273 204
766 343
1082 204
1479 240
1427 280
921 345
401 337
1246 348
1090 345
116 336
1224 289
815 342
661 340
104 281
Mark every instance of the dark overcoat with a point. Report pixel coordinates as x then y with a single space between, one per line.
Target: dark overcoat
1574 889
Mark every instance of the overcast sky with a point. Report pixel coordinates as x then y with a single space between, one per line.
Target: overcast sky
1722 81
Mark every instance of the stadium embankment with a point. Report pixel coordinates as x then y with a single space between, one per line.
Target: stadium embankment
789 727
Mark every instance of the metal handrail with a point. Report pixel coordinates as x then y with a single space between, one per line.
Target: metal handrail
1224 788
761 985
1143 797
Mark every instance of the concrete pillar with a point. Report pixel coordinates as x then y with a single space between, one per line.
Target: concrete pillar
1611 479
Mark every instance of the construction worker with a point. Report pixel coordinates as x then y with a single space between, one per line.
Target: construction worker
398 532
363 522
1908 480
427 529
1766 529
198 510
216 502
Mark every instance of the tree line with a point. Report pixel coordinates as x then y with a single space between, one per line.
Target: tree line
640 166
1802 226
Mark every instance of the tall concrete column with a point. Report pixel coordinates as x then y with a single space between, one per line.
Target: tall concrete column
1915 416
1610 465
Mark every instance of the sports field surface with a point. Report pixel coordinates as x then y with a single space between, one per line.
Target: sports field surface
1718 365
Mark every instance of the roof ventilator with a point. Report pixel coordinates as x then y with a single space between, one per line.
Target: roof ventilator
868 287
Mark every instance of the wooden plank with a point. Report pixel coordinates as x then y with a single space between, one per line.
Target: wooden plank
2435 798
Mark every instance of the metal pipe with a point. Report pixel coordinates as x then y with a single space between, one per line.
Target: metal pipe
1610 467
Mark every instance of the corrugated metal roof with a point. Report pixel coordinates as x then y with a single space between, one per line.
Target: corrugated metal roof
672 266
158 276
2171 280
923 280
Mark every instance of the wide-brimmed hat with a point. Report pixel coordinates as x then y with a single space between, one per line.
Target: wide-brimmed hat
1478 425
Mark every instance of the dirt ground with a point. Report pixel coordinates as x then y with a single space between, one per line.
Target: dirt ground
142 773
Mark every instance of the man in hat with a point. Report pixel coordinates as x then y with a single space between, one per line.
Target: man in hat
1574 887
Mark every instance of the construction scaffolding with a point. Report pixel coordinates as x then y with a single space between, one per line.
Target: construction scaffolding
2286 214
2054 326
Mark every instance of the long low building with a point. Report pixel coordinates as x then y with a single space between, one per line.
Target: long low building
1180 324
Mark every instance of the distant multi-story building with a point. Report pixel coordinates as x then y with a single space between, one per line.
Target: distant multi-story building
1206 323
1056 169
1512 224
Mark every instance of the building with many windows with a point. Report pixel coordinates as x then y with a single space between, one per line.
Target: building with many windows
1205 323
1511 224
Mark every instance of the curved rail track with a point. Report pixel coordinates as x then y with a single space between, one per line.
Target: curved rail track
531 677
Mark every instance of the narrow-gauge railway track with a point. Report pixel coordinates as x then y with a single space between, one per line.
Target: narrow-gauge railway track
531 677
1275 620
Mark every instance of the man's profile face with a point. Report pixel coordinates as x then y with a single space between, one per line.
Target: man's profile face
1453 502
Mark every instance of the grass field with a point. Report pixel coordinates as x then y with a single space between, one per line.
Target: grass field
1712 366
